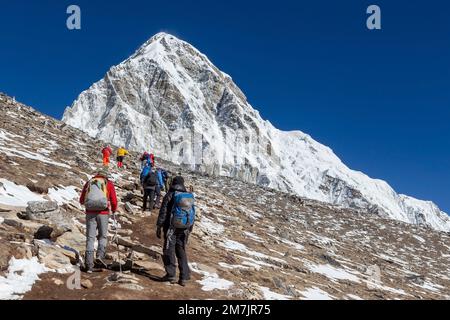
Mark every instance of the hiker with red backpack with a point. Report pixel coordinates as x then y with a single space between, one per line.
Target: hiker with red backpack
176 219
99 198
145 160
106 151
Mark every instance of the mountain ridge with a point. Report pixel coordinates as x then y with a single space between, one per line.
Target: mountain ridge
168 91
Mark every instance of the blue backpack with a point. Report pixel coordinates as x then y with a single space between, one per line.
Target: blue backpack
183 210
145 171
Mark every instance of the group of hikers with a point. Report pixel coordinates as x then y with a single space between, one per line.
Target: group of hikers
107 152
175 220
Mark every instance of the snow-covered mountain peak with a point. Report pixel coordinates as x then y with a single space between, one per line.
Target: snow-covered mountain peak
171 99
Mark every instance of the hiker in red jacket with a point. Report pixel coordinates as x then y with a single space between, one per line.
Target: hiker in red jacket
106 151
99 198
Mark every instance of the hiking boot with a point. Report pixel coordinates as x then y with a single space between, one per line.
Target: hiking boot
168 278
182 282
101 262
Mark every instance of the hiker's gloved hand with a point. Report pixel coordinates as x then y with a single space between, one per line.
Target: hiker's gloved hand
158 232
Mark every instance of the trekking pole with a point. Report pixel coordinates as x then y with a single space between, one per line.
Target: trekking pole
117 242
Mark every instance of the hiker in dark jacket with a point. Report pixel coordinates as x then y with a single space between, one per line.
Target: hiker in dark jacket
175 240
149 184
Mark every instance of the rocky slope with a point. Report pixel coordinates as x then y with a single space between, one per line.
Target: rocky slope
250 242
168 97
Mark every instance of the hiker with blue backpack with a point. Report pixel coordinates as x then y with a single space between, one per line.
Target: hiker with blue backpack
176 219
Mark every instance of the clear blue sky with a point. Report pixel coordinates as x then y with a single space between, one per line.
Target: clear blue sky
379 99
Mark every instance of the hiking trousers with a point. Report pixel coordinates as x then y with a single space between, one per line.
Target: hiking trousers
149 195
94 223
175 242
120 161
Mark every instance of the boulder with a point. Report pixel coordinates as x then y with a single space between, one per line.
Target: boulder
126 242
417 279
123 278
53 257
22 252
124 232
73 239
56 260
15 223
49 213
41 188
5 255
148 265
44 232
252 291
37 210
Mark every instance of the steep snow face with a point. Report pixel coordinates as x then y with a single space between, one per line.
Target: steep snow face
170 99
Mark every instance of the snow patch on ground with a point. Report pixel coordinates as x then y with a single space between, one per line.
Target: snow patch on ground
63 194
270 295
432 287
211 226
211 281
393 259
232 266
12 194
13 152
234 245
419 238
315 293
22 274
253 236
332 272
